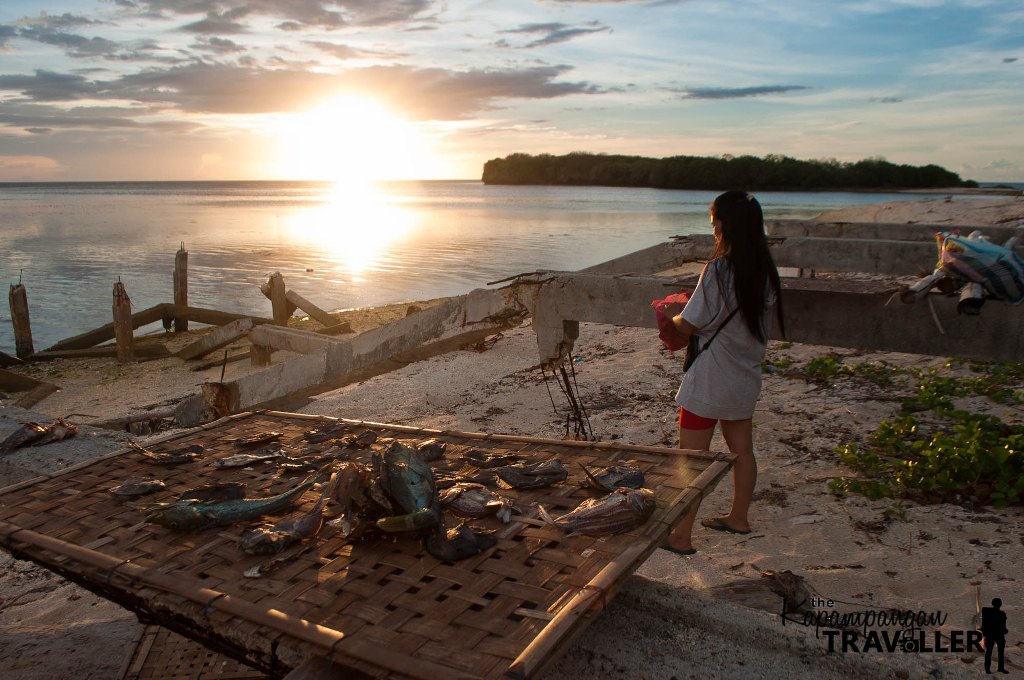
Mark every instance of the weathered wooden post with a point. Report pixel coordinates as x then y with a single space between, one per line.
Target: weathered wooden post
18 299
181 286
123 324
260 355
279 299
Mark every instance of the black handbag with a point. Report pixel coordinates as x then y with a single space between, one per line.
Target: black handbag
693 349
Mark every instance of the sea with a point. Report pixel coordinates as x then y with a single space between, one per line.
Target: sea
341 247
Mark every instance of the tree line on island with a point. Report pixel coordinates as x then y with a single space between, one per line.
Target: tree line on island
773 172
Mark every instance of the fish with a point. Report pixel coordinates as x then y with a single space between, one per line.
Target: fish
192 516
257 439
226 491
531 475
361 441
243 459
138 487
627 475
273 538
319 435
56 431
484 461
409 483
621 510
458 543
311 462
23 436
174 457
476 500
431 449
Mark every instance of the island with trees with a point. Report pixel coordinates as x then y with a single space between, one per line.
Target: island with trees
771 173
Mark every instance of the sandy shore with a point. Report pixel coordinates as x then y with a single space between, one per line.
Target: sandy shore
708 616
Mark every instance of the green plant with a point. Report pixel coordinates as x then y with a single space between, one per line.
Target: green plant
823 369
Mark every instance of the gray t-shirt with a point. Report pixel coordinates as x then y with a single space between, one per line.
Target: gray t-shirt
725 380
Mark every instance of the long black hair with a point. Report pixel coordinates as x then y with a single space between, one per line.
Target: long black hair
744 245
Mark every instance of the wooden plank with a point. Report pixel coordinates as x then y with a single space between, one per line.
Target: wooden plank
105 333
181 286
18 299
337 329
282 308
145 352
211 317
36 395
15 382
123 324
6 360
215 339
308 307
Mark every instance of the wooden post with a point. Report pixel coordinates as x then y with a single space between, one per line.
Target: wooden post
279 299
259 355
181 286
123 324
19 318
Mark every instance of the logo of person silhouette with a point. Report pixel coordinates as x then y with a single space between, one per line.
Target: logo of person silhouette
993 628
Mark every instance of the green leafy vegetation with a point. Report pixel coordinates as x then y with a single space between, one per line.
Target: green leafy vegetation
713 172
932 451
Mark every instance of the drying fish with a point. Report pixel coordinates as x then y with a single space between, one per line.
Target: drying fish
207 493
486 461
243 459
273 538
257 439
531 475
56 431
26 434
319 435
619 511
311 462
361 440
458 543
476 500
138 487
408 482
191 516
349 500
627 475
175 457
431 450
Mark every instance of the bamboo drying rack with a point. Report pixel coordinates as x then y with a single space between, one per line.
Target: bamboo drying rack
381 607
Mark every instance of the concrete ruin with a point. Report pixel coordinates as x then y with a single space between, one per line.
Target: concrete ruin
845 311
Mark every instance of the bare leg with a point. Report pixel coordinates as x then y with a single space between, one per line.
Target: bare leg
699 440
739 437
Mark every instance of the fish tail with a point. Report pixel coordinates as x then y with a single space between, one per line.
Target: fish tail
414 521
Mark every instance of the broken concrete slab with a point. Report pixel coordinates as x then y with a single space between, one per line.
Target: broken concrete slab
215 339
291 339
879 230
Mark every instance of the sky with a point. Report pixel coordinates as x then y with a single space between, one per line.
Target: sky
431 89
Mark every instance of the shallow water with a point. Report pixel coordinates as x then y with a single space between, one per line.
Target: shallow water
340 248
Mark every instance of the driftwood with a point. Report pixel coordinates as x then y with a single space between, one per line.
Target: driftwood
337 329
105 333
308 307
210 317
146 352
18 299
8 360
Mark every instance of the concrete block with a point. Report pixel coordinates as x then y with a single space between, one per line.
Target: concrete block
215 339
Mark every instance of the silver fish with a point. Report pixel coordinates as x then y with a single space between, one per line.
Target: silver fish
619 511
458 543
243 459
483 460
26 434
257 439
175 457
273 538
138 487
431 449
531 475
626 475
467 499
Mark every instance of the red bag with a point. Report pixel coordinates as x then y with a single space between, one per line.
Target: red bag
670 336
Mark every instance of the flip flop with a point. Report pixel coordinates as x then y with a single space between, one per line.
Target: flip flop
678 551
719 524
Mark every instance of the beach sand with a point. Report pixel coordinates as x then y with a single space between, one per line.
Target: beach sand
706 616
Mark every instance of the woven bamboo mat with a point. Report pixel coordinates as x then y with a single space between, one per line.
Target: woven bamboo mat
162 655
380 606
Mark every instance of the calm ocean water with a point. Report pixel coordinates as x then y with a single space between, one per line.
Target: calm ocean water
399 241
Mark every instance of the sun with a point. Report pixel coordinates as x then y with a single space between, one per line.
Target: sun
351 140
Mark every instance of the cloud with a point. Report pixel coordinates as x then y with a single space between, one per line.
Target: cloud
426 93
735 92
58 22
343 52
1009 60
301 13
75 45
37 118
49 86
23 168
219 23
6 33
553 33
217 45
886 100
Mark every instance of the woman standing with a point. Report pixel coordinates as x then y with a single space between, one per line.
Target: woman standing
730 313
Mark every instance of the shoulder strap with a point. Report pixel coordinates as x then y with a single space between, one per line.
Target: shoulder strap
719 329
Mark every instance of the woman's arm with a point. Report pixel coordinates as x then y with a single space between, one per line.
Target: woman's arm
684 326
